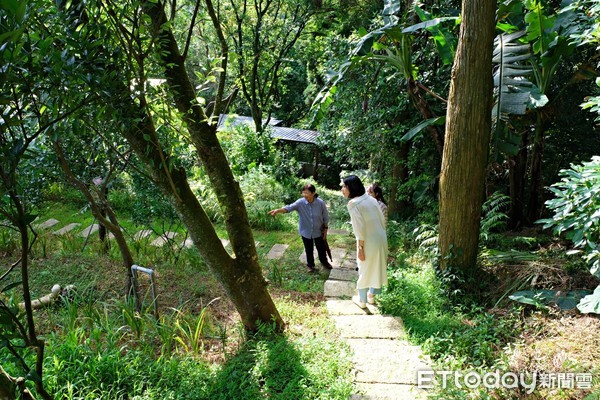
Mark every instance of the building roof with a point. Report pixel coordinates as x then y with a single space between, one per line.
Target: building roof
294 134
277 132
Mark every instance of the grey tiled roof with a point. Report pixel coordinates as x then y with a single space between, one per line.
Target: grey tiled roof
278 132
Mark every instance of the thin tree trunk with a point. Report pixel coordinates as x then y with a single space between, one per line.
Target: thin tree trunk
399 177
468 125
534 204
517 178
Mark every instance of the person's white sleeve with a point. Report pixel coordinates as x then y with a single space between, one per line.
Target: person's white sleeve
358 223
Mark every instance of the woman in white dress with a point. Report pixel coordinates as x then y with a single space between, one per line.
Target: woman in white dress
368 225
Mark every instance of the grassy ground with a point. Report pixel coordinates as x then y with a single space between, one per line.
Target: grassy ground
99 347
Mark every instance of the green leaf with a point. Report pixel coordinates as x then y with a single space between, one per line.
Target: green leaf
542 298
10 286
428 122
590 303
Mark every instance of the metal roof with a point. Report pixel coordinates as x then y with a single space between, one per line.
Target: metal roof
277 132
234 120
294 134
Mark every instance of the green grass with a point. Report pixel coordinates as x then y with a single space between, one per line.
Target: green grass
99 347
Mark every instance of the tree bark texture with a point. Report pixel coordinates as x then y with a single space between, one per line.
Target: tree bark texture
468 125
399 177
517 178
241 275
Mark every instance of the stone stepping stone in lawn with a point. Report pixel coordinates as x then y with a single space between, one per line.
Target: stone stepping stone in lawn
337 254
143 234
66 229
369 326
335 288
337 232
388 391
277 251
402 361
90 230
340 274
48 224
164 238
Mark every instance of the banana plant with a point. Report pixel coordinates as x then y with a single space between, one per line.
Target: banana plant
392 45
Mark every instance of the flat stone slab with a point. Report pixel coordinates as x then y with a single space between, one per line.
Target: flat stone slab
48 224
340 274
369 326
387 361
338 254
164 238
277 251
334 288
337 232
90 230
139 235
383 391
66 229
342 307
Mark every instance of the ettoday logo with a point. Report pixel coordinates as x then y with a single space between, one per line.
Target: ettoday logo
428 379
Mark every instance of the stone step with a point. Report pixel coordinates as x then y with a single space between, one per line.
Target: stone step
143 234
90 230
347 307
369 326
387 361
335 288
277 251
164 238
48 224
343 274
385 391
66 229
337 232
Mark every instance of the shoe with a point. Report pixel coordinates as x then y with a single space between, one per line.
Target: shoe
359 303
310 269
371 299
327 266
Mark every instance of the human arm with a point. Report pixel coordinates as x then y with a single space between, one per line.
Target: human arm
281 210
360 244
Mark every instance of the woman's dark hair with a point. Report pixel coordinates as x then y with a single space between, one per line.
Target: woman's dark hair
311 188
354 185
378 192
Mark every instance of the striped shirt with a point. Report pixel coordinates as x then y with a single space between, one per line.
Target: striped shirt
313 217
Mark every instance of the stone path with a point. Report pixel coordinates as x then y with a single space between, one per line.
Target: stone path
385 363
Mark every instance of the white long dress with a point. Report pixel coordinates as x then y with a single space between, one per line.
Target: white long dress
368 225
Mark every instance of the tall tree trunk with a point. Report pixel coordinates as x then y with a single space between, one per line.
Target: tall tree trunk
423 107
399 177
241 276
517 177
468 125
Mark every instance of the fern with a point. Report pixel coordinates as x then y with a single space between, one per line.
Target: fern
493 215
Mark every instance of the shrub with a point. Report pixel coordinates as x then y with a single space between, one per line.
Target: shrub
577 209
